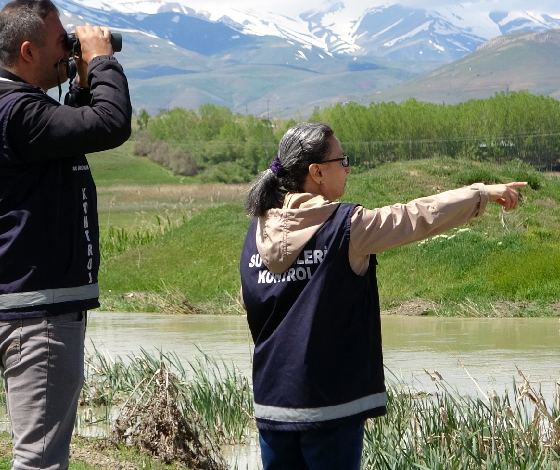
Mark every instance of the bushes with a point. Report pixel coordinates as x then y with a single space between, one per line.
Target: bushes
222 146
499 129
513 127
143 144
213 135
514 170
227 172
160 152
182 164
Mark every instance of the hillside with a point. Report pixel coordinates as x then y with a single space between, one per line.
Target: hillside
519 61
260 75
178 244
266 77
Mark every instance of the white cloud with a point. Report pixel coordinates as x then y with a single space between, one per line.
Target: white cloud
341 12
340 17
296 7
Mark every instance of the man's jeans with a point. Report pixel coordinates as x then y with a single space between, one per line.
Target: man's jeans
326 449
42 362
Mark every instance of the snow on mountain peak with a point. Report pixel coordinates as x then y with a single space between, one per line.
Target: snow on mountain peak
378 27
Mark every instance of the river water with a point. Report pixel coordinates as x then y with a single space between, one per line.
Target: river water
489 349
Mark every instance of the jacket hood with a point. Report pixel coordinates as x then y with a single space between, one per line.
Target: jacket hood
282 233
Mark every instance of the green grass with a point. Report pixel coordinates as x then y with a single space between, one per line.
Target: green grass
511 257
97 459
146 245
200 259
121 167
218 394
6 464
513 267
485 264
450 431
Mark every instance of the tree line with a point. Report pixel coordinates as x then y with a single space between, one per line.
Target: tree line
502 128
230 147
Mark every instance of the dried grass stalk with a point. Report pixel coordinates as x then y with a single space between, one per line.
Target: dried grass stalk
160 421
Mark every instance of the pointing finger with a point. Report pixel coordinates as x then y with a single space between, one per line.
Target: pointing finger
517 184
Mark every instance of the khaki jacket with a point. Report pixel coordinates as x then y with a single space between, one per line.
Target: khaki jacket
283 233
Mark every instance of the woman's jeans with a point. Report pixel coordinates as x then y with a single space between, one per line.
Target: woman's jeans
326 449
42 362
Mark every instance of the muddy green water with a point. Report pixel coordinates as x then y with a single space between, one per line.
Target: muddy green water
490 349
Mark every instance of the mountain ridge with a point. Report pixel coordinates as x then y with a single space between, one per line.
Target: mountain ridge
176 55
515 62
334 31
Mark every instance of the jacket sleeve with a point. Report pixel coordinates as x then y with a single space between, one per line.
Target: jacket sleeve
40 129
378 230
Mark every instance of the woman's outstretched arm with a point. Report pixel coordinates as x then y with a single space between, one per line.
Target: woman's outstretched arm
378 230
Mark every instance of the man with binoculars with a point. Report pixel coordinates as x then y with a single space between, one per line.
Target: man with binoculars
49 234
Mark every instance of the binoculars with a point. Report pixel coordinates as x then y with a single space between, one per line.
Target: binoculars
73 43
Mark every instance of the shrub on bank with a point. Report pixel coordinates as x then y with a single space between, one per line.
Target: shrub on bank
160 152
232 173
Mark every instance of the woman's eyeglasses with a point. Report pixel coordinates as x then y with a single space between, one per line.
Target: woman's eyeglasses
345 160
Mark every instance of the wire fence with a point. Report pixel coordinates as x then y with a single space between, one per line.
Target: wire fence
541 151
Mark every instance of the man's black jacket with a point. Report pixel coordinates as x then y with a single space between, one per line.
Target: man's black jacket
49 234
39 129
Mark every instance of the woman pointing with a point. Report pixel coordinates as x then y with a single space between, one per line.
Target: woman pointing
310 290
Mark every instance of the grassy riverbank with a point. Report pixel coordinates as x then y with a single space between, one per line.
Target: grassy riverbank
445 429
176 246
442 429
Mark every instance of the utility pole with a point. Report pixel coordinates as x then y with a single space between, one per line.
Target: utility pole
267 110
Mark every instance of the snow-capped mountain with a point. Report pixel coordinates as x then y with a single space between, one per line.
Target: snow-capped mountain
391 30
199 51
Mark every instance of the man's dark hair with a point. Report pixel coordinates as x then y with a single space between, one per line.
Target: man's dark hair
20 21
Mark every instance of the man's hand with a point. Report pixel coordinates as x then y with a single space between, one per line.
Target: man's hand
505 194
94 41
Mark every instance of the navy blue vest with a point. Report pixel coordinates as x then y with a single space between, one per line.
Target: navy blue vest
49 234
318 361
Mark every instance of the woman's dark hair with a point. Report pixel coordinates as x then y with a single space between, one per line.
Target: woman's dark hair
20 21
301 146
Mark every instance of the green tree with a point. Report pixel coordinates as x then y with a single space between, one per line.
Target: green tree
142 119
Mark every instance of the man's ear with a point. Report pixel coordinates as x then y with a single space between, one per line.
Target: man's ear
316 173
28 52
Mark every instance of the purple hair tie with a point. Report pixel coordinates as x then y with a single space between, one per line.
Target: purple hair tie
277 167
